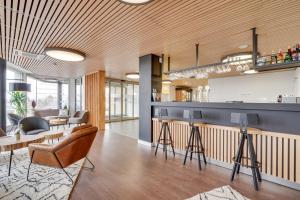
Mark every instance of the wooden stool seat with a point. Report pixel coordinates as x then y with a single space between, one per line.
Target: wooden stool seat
254 131
166 120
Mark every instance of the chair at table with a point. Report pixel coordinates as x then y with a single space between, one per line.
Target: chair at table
63 154
80 117
33 125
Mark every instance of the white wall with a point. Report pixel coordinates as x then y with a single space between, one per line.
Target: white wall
260 88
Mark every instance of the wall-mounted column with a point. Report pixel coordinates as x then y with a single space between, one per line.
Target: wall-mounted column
150 70
3 94
94 93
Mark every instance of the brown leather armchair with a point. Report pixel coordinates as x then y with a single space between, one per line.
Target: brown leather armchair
73 148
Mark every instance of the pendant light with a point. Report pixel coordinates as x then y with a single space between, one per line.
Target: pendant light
135 2
19 87
166 81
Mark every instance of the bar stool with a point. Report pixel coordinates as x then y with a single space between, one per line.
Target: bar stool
165 137
195 143
245 119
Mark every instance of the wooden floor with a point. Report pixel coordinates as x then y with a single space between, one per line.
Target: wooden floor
128 170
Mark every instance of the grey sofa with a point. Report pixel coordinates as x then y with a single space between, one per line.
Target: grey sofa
80 117
33 125
49 114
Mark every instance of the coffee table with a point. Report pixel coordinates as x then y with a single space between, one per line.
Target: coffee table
58 122
9 143
50 135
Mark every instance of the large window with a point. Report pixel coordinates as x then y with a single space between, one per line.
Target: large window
45 94
11 77
64 95
127 101
78 97
115 101
122 100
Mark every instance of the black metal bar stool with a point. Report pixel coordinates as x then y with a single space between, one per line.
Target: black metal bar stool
165 137
195 144
245 119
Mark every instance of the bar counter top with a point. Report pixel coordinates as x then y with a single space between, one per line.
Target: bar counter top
274 117
244 106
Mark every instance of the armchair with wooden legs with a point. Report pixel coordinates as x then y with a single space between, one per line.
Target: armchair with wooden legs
73 148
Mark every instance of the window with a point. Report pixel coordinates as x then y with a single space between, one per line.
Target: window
127 101
107 102
45 94
78 97
64 95
31 96
115 101
11 77
136 100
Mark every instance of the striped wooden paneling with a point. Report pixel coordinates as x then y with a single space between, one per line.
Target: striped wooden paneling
278 153
94 92
114 35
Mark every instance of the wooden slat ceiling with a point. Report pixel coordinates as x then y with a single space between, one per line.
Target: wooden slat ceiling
114 35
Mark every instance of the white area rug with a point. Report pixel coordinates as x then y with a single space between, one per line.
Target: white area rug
47 183
225 192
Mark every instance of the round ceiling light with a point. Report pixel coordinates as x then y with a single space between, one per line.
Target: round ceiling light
243 46
65 54
133 75
135 2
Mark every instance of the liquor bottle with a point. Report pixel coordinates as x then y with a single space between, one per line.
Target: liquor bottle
280 56
298 51
294 54
273 58
288 56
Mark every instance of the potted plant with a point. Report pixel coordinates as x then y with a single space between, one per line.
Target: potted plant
18 102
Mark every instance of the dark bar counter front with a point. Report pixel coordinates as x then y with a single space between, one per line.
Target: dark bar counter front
273 117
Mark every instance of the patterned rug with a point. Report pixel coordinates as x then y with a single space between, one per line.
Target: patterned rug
47 183
225 192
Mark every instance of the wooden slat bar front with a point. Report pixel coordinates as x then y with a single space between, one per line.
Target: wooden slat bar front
277 152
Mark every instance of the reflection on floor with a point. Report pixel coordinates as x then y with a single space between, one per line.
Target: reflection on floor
128 128
128 170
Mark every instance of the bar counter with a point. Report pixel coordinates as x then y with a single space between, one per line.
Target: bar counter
277 146
275 117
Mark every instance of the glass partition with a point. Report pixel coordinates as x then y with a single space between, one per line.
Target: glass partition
115 101
122 100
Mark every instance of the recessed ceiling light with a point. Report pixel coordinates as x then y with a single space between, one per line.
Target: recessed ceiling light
251 71
166 81
135 2
133 75
243 46
65 54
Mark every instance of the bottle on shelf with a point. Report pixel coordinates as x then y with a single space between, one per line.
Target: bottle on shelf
298 51
280 56
273 57
288 56
294 53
